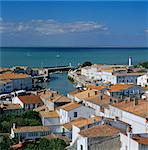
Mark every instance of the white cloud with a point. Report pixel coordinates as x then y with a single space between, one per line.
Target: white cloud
50 27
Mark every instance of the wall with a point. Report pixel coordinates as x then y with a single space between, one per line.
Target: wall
138 123
109 143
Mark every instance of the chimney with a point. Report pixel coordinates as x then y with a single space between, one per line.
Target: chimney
44 91
96 92
88 94
116 118
101 97
52 95
135 101
110 101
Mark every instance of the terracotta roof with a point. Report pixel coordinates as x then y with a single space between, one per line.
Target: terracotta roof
13 76
69 124
96 87
99 131
141 109
128 74
30 99
96 99
120 87
88 121
10 106
140 139
31 129
61 99
85 93
40 108
70 106
50 114
46 94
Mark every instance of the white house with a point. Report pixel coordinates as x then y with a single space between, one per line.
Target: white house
19 81
132 141
28 101
143 80
102 137
119 90
133 112
29 132
52 119
74 110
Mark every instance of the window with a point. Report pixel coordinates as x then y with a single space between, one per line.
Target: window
81 147
75 114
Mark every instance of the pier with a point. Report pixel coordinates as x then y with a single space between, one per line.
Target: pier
58 68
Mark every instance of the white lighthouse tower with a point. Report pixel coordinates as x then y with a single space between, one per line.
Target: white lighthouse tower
130 61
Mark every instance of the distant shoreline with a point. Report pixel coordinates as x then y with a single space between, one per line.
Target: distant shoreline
105 47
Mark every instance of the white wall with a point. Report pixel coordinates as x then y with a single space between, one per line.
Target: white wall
75 131
82 111
82 141
138 123
143 80
16 100
128 143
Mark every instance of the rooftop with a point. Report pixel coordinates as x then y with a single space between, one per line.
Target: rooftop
13 76
50 114
141 109
40 108
99 99
70 106
73 122
10 106
99 88
31 129
128 74
85 93
120 87
30 99
99 131
141 139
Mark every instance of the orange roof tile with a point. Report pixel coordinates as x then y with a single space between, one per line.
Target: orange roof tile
30 99
120 87
141 109
70 106
96 87
50 114
31 129
75 121
13 76
99 131
141 140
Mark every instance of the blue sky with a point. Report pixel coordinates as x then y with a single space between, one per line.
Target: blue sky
51 23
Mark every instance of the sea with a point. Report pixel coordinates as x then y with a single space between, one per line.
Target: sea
48 57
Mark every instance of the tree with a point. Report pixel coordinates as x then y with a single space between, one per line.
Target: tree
87 63
46 144
144 64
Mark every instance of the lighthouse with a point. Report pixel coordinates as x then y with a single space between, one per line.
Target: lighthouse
130 61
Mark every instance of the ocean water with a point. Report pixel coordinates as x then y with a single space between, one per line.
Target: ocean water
43 57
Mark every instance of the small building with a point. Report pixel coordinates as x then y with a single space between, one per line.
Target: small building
28 101
99 137
120 90
6 86
133 112
52 119
10 109
19 81
74 110
132 141
29 132
143 80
